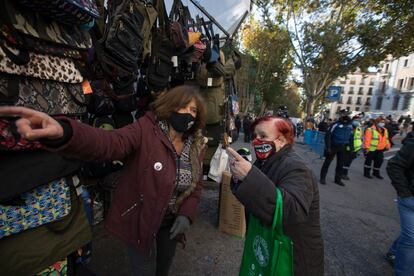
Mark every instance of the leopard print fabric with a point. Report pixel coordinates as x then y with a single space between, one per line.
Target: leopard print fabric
42 66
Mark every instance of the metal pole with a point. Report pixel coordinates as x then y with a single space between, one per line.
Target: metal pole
210 17
240 23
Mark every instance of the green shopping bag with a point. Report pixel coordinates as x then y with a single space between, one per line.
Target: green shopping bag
267 252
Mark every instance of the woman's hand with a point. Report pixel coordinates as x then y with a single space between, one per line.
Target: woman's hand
33 124
238 165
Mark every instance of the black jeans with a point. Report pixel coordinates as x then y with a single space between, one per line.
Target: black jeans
378 158
339 151
161 261
247 136
349 157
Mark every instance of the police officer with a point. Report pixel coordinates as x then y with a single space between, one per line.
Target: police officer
337 138
354 147
375 143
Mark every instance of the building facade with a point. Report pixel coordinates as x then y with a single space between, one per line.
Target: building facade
394 88
356 95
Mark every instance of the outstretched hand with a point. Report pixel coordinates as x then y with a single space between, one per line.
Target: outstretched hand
238 165
33 124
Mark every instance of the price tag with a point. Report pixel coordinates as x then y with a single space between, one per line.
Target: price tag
86 87
209 82
174 60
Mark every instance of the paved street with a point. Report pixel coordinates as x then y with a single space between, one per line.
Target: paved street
359 222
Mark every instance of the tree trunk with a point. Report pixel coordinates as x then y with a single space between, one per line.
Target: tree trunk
310 105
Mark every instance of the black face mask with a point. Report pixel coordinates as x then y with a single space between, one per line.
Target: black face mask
345 119
181 122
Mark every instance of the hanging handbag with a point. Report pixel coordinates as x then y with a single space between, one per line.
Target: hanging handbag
101 103
129 25
125 98
34 164
13 38
72 12
214 100
179 37
34 25
160 64
205 79
198 52
38 66
42 205
51 97
267 251
33 250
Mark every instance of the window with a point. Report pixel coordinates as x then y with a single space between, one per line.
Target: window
368 102
400 84
351 90
379 103
342 81
382 87
338 109
349 100
387 67
341 100
395 102
371 81
361 91
411 85
363 80
406 102
370 91
352 80
358 101
357 108
406 63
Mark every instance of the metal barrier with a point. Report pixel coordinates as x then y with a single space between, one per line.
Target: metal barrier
315 140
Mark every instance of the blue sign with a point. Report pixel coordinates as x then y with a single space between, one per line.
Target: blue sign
334 93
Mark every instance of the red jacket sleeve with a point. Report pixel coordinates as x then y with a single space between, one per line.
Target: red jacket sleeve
94 144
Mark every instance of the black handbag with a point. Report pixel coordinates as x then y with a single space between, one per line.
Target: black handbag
34 164
121 47
160 64
101 103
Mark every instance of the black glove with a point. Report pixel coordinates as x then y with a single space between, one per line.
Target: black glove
181 224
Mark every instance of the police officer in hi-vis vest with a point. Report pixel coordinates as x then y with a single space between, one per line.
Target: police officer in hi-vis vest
354 147
375 143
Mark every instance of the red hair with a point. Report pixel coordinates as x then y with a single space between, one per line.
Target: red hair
282 125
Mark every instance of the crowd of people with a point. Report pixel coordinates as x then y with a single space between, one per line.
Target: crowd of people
346 138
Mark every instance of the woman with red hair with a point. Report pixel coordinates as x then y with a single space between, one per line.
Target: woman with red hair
279 167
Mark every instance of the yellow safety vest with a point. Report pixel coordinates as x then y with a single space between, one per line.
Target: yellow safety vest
375 138
357 139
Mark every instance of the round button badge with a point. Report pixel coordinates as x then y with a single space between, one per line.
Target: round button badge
158 166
